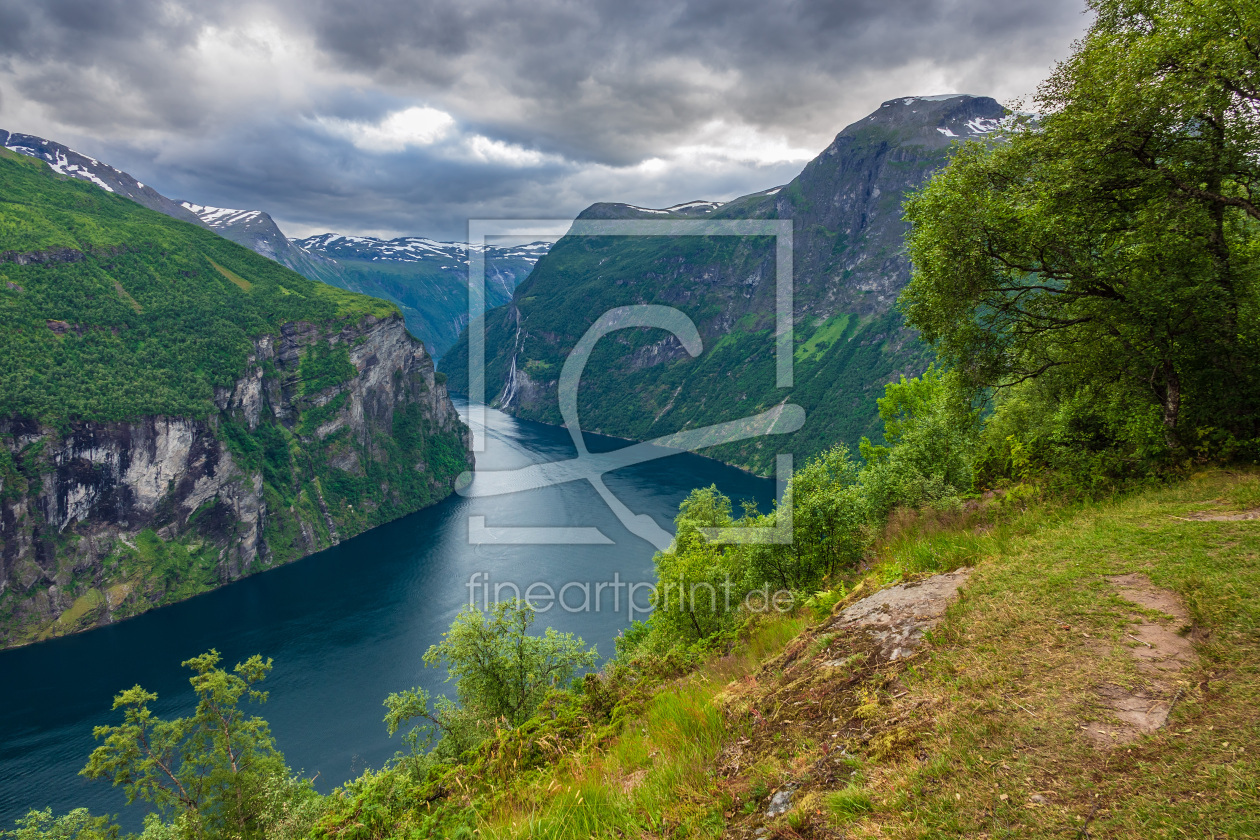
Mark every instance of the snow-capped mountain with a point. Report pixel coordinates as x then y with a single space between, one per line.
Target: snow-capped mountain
257 231
67 161
426 278
408 249
688 209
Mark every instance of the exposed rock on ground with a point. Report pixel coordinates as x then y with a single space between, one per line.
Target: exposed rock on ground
896 617
836 686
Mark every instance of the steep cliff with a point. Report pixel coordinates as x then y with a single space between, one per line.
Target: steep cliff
849 265
177 411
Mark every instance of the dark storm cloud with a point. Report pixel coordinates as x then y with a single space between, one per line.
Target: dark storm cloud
607 80
552 104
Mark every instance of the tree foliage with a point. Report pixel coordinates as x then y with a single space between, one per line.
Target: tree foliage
79 824
932 433
695 577
501 673
1112 241
209 770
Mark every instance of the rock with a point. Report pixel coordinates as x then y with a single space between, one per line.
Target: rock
780 803
896 618
1037 799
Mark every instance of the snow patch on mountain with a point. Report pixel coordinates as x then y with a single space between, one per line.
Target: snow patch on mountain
220 217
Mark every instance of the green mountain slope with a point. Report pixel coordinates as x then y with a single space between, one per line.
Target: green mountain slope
426 279
176 410
849 262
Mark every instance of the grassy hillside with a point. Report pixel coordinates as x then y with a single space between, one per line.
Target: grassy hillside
997 725
955 741
121 312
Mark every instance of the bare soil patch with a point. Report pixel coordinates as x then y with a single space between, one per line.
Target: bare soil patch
1163 647
1209 516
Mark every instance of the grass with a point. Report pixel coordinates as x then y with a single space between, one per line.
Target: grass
978 734
236 279
827 333
996 706
656 778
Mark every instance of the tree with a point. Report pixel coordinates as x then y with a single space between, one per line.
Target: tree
501 675
79 824
1112 240
829 533
208 770
695 578
931 431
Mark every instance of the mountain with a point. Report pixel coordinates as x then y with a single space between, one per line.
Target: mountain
67 161
258 232
427 279
177 411
849 265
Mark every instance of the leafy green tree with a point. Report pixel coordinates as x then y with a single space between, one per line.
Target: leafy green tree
76 825
829 517
501 675
932 435
697 582
1112 242
210 771
829 533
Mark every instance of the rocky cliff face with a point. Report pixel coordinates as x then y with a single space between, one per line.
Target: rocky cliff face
322 437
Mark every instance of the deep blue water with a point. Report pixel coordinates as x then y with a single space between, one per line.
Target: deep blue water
345 627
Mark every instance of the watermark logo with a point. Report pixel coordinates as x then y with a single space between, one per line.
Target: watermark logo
639 599
591 467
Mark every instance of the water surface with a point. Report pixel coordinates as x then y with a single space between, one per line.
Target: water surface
345 627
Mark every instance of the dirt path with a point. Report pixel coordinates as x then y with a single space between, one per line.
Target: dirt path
1163 648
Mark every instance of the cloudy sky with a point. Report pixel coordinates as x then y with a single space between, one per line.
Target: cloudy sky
401 117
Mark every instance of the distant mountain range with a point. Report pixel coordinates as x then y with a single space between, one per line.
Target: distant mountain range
427 279
849 263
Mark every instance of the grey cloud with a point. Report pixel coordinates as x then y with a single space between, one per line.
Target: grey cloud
586 71
597 86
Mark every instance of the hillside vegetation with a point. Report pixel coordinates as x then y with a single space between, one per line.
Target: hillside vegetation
177 411
113 311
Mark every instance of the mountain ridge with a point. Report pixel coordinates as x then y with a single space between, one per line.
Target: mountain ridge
432 296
